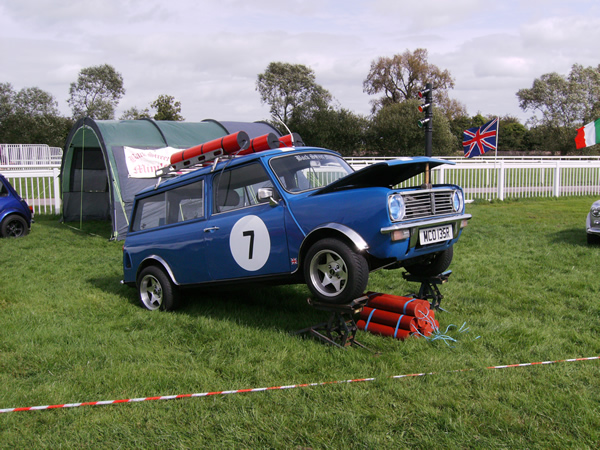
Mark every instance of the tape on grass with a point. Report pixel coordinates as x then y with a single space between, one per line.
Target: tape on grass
274 388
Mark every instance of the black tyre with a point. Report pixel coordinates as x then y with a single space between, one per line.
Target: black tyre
14 226
593 239
434 266
156 290
334 272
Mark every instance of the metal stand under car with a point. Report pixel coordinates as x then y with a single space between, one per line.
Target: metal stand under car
340 329
429 287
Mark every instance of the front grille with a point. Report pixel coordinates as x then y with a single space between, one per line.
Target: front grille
423 204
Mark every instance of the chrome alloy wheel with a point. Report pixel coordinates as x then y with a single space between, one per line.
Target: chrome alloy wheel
151 292
328 273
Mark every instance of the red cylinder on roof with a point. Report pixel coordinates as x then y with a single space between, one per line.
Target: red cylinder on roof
258 144
291 140
229 144
383 330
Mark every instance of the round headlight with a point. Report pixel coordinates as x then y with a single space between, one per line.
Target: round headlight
457 201
396 207
596 211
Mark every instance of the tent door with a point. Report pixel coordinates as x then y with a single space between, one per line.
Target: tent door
89 196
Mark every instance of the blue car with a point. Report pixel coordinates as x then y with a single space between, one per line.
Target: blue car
292 215
15 215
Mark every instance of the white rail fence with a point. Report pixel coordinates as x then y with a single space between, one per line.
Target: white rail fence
19 156
481 179
514 177
39 188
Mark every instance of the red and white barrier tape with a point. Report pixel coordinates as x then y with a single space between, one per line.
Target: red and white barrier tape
292 386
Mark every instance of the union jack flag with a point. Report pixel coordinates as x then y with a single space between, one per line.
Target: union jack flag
477 141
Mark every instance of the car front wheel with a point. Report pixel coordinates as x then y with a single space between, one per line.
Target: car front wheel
14 226
334 272
156 290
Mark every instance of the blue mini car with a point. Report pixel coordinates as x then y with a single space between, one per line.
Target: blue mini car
291 215
15 215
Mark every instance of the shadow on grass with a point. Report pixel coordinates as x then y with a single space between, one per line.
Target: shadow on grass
101 229
573 236
281 307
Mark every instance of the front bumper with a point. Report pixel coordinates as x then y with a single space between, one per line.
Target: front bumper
414 227
592 226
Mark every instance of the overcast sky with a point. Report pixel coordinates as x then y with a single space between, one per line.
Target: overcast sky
207 54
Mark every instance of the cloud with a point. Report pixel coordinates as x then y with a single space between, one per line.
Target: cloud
208 54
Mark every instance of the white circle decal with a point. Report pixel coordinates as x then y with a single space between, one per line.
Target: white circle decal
250 243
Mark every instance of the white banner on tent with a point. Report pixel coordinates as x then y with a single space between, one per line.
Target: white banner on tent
142 163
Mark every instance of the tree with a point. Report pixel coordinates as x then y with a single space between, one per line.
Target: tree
34 102
31 116
7 95
565 103
167 108
338 130
135 114
401 77
96 93
291 89
394 131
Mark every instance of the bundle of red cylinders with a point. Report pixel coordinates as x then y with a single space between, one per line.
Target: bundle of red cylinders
398 317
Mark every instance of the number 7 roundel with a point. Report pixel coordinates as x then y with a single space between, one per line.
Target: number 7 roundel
250 243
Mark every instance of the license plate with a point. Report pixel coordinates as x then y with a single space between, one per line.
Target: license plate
437 234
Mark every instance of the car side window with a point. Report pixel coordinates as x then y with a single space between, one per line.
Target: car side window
3 190
238 188
176 205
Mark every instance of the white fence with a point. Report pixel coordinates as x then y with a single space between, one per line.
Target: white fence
24 156
488 178
481 179
39 188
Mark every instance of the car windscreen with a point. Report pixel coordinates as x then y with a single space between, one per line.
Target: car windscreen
306 171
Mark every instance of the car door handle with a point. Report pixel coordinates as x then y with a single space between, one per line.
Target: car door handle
210 229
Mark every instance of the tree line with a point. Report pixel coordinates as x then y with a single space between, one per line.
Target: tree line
559 105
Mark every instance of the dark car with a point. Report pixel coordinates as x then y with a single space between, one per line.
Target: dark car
15 215
290 216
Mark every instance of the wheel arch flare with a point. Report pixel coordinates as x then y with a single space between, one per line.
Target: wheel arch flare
335 230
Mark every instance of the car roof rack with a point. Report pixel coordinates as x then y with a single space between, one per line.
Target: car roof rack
235 144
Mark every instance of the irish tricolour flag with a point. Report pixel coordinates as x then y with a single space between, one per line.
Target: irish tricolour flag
588 135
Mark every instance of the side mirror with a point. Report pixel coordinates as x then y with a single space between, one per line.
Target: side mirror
267 194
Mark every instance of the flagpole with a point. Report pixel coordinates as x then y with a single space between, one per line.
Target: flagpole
497 135
497 144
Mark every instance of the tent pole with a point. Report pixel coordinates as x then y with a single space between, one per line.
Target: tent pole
81 184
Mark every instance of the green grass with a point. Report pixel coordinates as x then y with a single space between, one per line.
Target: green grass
524 280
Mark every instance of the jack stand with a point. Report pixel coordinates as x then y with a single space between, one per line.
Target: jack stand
341 328
429 287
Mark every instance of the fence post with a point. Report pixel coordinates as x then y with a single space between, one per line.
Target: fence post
557 179
55 173
501 181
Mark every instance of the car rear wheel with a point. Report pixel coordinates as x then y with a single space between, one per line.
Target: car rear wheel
14 226
434 266
334 272
156 290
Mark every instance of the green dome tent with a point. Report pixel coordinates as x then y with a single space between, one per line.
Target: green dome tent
98 181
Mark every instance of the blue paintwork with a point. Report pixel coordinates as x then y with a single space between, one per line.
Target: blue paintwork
198 251
12 203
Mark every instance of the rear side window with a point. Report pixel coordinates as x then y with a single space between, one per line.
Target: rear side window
176 205
238 188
